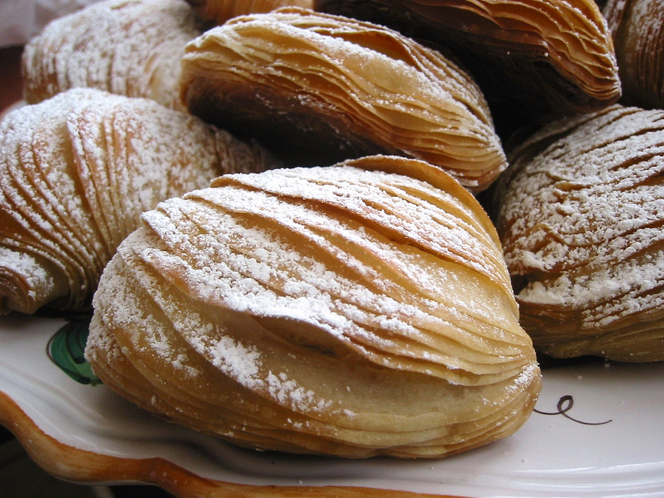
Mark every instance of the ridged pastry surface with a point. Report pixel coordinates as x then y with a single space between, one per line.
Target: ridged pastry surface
355 310
77 170
126 47
326 88
531 57
581 213
638 34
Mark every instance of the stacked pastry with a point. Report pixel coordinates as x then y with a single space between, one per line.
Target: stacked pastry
361 305
579 212
128 47
638 33
355 310
76 172
533 58
318 87
580 215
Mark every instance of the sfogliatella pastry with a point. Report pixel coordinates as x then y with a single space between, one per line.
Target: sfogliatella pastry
532 58
217 12
638 35
353 310
317 89
127 47
77 170
581 211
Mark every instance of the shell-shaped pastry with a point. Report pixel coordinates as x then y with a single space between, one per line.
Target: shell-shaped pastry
127 47
550 56
580 215
77 170
638 35
353 310
218 12
318 89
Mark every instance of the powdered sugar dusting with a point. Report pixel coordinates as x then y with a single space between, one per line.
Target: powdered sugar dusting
308 320
395 204
78 169
128 47
587 212
267 254
239 362
394 95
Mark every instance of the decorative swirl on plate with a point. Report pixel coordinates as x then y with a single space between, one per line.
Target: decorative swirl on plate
564 405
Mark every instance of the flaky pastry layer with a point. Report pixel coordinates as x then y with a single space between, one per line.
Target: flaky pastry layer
76 172
318 88
530 56
354 310
126 47
581 211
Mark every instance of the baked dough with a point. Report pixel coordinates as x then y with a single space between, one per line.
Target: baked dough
580 216
532 58
127 47
317 89
353 310
217 12
77 170
638 36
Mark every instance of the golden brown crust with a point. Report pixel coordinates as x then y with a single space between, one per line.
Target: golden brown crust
580 217
532 58
321 88
76 172
320 310
638 34
126 47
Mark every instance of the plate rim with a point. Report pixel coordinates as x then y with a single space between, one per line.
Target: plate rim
87 467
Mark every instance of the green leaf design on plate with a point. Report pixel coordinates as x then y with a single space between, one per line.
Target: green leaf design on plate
66 349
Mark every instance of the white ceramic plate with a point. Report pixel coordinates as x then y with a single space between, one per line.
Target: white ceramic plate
88 434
